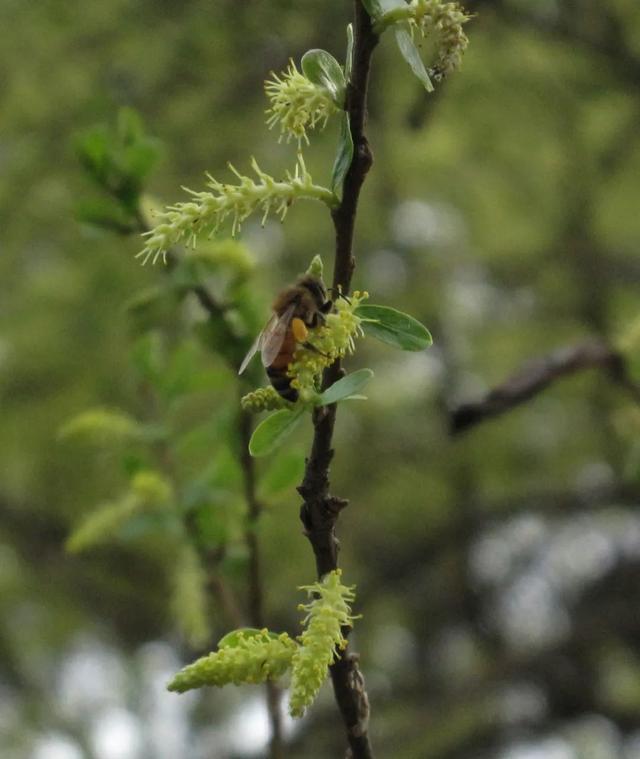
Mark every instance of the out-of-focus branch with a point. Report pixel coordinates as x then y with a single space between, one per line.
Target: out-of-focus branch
255 590
216 583
540 373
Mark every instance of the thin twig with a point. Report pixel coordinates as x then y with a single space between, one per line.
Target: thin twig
255 591
536 375
319 512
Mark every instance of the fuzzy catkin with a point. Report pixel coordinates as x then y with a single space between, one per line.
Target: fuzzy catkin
254 658
184 222
322 638
297 104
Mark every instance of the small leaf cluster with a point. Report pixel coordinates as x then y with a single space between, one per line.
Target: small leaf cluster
119 160
170 484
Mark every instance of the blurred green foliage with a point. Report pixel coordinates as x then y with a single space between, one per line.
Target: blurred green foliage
501 212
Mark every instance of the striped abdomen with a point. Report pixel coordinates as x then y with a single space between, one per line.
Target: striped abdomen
277 371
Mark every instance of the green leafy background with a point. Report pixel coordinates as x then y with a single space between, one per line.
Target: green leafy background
498 572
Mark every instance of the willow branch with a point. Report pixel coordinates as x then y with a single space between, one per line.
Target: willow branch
538 374
320 510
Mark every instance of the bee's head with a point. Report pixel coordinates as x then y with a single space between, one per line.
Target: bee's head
316 287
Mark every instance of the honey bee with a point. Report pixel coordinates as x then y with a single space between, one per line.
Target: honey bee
297 309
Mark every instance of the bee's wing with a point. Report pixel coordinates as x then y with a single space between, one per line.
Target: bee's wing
274 334
257 343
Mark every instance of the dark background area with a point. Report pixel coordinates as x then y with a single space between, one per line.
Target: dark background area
498 569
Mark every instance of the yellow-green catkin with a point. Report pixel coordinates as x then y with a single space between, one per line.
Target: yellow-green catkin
332 340
102 426
297 104
184 222
263 399
148 489
254 658
327 614
629 340
102 524
189 601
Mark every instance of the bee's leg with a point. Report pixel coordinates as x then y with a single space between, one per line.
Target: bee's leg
318 318
313 348
340 294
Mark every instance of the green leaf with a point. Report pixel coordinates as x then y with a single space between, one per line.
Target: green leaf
286 470
373 8
395 328
377 8
412 56
129 127
149 357
273 430
322 69
345 387
105 213
348 62
344 156
389 5
212 524
139 159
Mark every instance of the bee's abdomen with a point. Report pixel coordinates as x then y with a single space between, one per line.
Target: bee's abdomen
282 383
277 371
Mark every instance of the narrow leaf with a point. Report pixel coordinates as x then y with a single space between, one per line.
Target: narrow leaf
348 63
344 156
394 328
412 56
323 69
273 431
345 387
373 8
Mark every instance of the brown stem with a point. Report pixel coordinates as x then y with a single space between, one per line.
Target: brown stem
319 512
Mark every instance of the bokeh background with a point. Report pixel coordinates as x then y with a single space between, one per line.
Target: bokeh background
498 571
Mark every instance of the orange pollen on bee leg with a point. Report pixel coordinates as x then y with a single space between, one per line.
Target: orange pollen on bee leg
299 329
